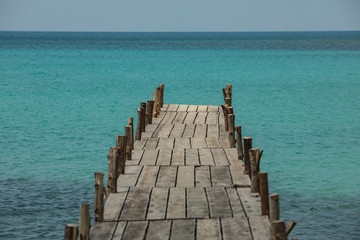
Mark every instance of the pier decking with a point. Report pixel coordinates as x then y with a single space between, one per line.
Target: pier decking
183 182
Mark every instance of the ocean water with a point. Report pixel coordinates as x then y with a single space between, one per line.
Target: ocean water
65 96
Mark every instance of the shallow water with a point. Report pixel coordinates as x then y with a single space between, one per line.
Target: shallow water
65 96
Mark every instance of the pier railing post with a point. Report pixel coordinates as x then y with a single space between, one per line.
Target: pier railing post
247 147
84 222
239 142
138 127
149 112
278 230
99 197
131 124
128 142
143 105
71 232
274 207
121 145
114 154
254 156
264 193
231 124
162 89
225 116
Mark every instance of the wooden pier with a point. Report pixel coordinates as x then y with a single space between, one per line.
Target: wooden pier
183 178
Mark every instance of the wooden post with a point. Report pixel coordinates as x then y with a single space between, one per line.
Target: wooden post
231 124
143 105
225 116
149 112
99 197
71 232
229 110
84 222
264 193
274 207
158 107
162 88
228 101
121 145
131 124
278 230
239 142
290 227
128 142
138 128
247 147
254 156
224 93
229 94
114 154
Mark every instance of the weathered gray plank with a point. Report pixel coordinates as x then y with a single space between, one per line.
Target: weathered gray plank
212 118
114 204
260 227
120 228
182 143
212 131
208 229
192 108
213 109
172 107
148 176
238 177
136 203
190 117
202 108
158 204
130 177
251 202
165 143
231 154
151 143
159 118
178 156
219 156
102 230
235 228
183 229
149 157
225 142
236 207
192 157
146 134
167 176
180 117
189 130
182 108
151 127
185 176
200 131
197 206
220 176
158 230
198 143
206 157
135 230
176 203
164 157
136 154
213 143
165 131
202 176
218 202
200 118
177 131
169 117
139 144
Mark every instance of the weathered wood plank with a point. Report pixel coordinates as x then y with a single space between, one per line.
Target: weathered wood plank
165 143
136 203
182 143
212 131
251 202
151 127
198 143
164 157
151 143
192 157
260 227
176 203
192 108
159 118
158 204
130 177
169 118
140 144
190 118
167 176
213 108
148 176
183 229
235 203
177 131
220 176
185 176
178 156
120 228
172 107
135 157
202 176
238 177
231 154
182 108
189 131
197 205
225 142
146 134
200 118
114 204
102 230
200 131
218 202
208 229
165 131
235 228
213 143
206 157
135 230
219 156
212 118
158 230
149 157
180 117
202 108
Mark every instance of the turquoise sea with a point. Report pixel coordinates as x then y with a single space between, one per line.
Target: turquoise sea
65 96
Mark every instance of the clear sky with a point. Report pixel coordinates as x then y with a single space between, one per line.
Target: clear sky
179 15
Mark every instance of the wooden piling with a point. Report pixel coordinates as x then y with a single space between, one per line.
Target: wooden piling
84 222
228 101
290 227
264 193
229 110
274 207
225 116
143 105
278 230
99 197
131 124
114 154
121 145
162 89
254 157
239 142
128 142
231 124
71 232
138 127
156 98
149 112
247 147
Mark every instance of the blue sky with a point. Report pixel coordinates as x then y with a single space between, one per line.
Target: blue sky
179 15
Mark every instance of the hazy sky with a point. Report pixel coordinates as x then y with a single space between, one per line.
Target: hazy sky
179 15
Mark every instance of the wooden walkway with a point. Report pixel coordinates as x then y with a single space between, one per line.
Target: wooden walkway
183 182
